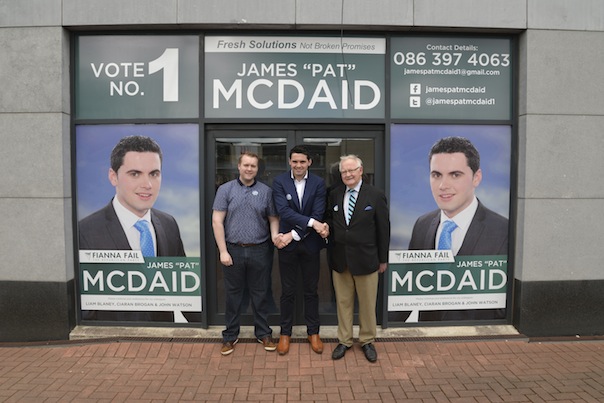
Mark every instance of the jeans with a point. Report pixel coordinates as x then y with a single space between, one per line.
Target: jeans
251 266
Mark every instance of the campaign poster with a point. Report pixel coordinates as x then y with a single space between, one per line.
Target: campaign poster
467 284
294 77
118 283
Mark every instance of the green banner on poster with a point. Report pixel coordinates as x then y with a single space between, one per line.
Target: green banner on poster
125 281
426 282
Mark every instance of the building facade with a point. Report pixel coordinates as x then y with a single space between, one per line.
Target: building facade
556 111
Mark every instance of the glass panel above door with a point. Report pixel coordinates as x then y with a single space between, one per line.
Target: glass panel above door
271 150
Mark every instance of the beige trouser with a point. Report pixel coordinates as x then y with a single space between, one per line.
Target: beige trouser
366 286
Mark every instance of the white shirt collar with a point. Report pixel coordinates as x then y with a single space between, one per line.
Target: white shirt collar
128 218
463 219
357 187
291 172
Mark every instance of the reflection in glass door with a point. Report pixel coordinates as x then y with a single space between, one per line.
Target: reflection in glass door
272 146
272 153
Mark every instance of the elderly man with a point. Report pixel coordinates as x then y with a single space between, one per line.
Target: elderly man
358 218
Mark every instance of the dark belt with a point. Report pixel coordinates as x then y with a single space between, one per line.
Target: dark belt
247 245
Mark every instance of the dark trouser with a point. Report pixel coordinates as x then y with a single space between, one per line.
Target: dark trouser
292 263
251 267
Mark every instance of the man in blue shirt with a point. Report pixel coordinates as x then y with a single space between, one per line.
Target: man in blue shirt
245 225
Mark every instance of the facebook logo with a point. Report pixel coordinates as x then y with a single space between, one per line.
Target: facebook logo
415 89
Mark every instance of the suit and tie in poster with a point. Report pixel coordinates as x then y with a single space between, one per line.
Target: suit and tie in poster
450 200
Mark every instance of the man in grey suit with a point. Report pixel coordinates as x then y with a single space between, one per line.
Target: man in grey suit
358 218
136 175
454 175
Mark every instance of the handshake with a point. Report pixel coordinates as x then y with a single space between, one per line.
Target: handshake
282 240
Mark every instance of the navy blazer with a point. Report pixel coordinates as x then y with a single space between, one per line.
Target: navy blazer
487 234
102 230
363 244
291 216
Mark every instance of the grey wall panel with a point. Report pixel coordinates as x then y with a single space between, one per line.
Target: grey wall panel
564 72
510 14
318 12
236 12
117 12
39 157
583 15
521 186
36 240
28 13
33 70
355 12
561 240
562 153
378 12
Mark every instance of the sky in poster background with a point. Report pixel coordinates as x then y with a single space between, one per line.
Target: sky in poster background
410 194
179 194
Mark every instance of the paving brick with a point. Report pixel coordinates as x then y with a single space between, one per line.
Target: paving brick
426 371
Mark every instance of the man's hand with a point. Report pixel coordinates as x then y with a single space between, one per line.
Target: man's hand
225 259
382 267
282 240
322 228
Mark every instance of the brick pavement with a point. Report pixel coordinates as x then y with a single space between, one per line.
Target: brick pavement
513 370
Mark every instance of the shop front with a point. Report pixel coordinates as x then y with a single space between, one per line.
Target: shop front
205 98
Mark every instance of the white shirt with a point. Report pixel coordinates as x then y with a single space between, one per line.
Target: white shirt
463 219
127 220
300 186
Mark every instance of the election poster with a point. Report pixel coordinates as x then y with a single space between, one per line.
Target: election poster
126 173
458 173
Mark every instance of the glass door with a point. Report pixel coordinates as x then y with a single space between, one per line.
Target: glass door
272 144
326 153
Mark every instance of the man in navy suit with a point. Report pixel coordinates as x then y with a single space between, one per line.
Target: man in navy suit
454 175
358 218
300 202
136 175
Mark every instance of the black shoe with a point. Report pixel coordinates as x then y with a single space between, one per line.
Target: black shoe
339 351
370 352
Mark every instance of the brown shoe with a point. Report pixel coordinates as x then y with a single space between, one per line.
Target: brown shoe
315 343
228 347
283 346
268 343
